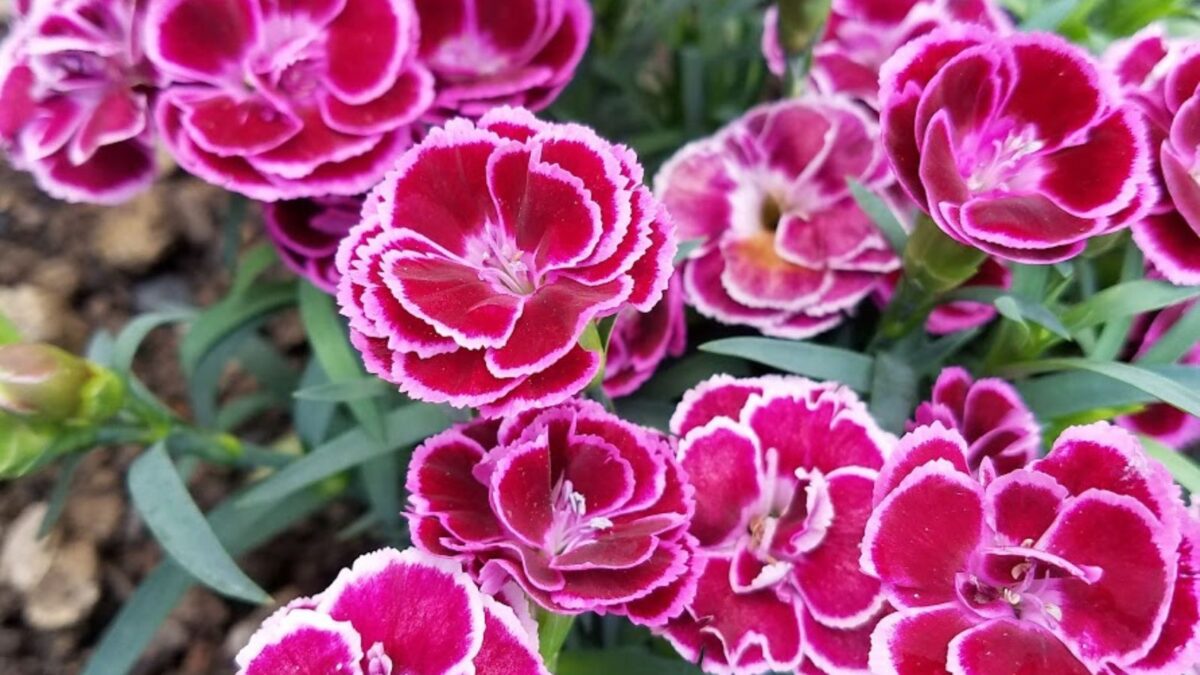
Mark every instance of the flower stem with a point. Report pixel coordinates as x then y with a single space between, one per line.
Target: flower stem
552 633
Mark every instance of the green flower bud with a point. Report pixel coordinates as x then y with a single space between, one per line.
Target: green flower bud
41 383
22 446
936 263
800 23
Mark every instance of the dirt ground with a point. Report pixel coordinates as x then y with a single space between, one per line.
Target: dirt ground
67 271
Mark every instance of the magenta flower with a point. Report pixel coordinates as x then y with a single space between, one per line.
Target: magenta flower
990 135
1169 425
282 101
486 54
989 413
585 511
306 232
785 247
73 100
492 248
394 612
641 340
783 469
1084 562
1160 77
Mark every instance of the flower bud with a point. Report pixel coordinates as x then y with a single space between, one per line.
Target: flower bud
46 384
935 262
22 446
800 23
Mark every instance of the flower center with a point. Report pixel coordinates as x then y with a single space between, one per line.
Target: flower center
1005 162
1018 582
571 526
770 213
501 263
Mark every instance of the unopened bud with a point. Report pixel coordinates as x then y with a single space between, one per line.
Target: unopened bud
800 23
22 446
936 263
46 384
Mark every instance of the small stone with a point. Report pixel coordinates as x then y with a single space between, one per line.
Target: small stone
57 275
134 235
25 559
94 517
68 591
41 315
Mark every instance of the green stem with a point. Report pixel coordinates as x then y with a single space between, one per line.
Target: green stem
552 633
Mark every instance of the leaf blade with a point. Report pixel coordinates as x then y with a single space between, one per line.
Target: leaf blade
802 358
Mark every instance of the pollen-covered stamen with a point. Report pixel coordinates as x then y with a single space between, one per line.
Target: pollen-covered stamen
500 262
571 525
1007 165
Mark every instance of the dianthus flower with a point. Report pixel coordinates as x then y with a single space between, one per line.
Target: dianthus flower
1160 77
862 34
783 469
492 248
73 108
1014 144
282 101
1083 562
785 248
306 232
486 54
394 612
585 511
1169 425
641 340
989 414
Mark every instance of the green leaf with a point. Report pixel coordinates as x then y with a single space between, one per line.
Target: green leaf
1177 341
670 382
1125 300
803 358
686 248
893 391
177 523
623 660
337 356
1115 334
1183 470
58 497
238 529
881 215
1163 387
230 315
931 356
406 426
1011 306
134 333
311 418
1070 393
649 412
244 408
344 391
1049 16
252 265
381 481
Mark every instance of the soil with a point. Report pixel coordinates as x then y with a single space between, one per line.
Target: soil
67 271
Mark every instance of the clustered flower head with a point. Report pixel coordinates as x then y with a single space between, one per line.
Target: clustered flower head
306 232
488 253
1167 424
586 512
640 341
784 470
73 101
1160 77
1015 145
395 612
989 414
861 35
1081 562
784 246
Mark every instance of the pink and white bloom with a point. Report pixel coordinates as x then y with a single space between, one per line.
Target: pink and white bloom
306 232
785 247
489 251
394 612
1160 76
1167 424
783 469
640 341
486 54
73 99
283 101
585 511
989 414
990 134
1083 562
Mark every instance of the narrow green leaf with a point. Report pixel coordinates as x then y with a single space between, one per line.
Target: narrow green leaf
228 316
1069 393
177 523
931 357
1049 16
134 333
893 391
881 215
1179 340
1163 387
312 418
686 248
238 529
344 391
252 265
803 358
333 350
244 408
381 481
670 383
1183 470
1125 300
1012 307
58 497
406 426
623 660
1115 333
